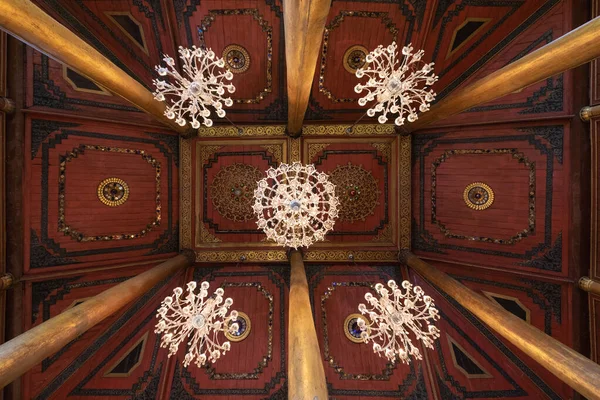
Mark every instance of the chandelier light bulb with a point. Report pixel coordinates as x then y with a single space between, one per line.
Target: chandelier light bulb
199 318
393 316
202 85
295 205
397 86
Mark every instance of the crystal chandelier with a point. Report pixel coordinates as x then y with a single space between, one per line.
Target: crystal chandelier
203 86
392 318
394 84
199 317
295 205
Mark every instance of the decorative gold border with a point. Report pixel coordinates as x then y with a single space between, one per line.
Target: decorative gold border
348 335
340 130
112 203
345 255
248 130
475 206
404 190
313 146
204 150
491 295
137 364
485 375
244 52
347 53
450 51
236 256
76 88
185 193
143 47
244 335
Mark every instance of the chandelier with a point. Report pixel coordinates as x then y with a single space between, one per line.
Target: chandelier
295 205
202 87
199 317
394 83
393 317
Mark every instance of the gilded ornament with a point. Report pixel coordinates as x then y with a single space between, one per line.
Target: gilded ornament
232 191
357 190
113 192
244 325
405 187
236 58
315 149
355 58
351 328
185 194
275 150
478 196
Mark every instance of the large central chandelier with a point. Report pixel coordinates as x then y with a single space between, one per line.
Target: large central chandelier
392 318
394 83
199 317
202 86
295 205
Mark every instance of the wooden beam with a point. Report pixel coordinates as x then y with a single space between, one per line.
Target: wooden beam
304 23
589 112
568 51
306 375
22 353
589 285
577 371
30 24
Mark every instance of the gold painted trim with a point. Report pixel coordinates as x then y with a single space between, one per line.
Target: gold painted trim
248 130
113 203
347 66
404 190
137 364
76 88
233 47
244 335
235 256
485 374
483 206
347 321
143 47
339 130
491 295
485 22
345 255
185 193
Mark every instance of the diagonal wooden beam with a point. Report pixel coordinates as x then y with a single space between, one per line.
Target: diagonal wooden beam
25 351
577 371
30 24
304 22
568 51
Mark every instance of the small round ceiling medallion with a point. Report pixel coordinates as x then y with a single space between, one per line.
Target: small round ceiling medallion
236 58
478 196
351 328
113 192
244 327
355 58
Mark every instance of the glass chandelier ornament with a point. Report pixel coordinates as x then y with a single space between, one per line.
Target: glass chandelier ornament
393 317
199 317
395 84
202 86
295 205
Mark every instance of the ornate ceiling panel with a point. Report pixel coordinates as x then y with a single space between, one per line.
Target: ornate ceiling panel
249 36
255 368
75 216
492 197
132 34
353 369
124 342
54 87
470 360
549 97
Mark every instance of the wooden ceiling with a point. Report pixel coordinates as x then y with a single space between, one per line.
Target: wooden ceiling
88 128
464 39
